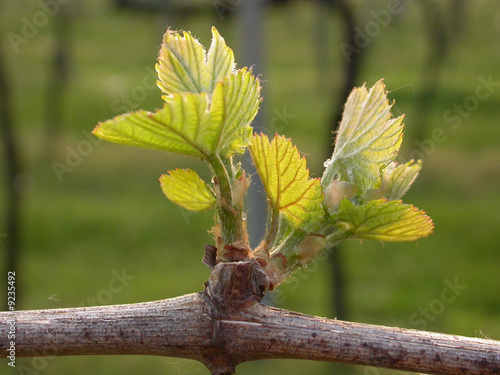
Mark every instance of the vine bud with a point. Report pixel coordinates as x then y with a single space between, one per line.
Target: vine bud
310 248
240 187
336 191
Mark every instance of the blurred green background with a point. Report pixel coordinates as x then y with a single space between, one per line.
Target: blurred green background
91 209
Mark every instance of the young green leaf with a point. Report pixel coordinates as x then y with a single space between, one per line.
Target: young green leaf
396 180
186 126
286 179
220 59
367 140
185 188
235 103
383 220
181 64
183 126
184 66
401 178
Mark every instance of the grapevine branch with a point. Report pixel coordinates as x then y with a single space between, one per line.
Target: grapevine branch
226 324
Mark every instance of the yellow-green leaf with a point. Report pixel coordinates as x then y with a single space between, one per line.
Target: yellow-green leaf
286 179
185 188
181 64
383 220
220 59
396 180
235 103
399 180
368 139
186 125
208 107
183 125
184 66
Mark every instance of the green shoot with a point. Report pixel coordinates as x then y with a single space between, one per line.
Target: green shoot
207 111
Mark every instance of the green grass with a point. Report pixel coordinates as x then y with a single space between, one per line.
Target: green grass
109 212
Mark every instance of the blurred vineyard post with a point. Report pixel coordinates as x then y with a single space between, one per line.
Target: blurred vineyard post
12 171
59 70
443 28
351 68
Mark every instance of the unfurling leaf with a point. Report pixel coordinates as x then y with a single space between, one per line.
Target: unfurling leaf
185 188
220 59
367 141
383 220
286 179
181 64
401 178
184 66
396 180
235 103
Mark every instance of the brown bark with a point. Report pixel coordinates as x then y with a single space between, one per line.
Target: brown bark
226 325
